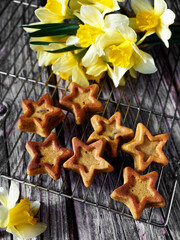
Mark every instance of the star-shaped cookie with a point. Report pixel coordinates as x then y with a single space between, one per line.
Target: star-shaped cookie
138 192
40 116
111 130
87 160
47 157
146 148
82 102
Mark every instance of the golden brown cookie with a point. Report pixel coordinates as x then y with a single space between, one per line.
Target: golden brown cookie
87 160
82 102
40 116
146 148
111 130
138 192
47 157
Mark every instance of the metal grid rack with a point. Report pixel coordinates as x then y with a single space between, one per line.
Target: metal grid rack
152 100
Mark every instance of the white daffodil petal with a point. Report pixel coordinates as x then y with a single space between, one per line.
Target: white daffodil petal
97 69
31 231
34 206
103 7
79 77
112 21
46 59
64 4
127 32
3 196
65 64
32 29
37 47
55 46
73 40
91 16
11 229
116 74
159 7
46 16
148 33
147 66
167 18
13 195
141 5
42 58
4 213
106 40
91 57
137 50
164 34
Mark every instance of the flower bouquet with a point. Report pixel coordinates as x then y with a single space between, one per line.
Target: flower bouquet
86 39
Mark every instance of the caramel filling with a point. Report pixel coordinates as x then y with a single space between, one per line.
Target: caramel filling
140 189
110 130
48 154
40 111
82 99
148 148
88 159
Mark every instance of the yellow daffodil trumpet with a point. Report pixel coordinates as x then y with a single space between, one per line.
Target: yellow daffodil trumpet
18 218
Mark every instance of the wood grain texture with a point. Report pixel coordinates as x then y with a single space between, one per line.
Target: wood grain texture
144 100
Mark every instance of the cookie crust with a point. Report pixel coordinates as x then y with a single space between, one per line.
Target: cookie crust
82 102
40 117
138 192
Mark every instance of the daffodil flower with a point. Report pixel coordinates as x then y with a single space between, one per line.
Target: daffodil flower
68 65
97 66
101 5
122 52
95 25
44 57
153 20
106 5
18 218
55 11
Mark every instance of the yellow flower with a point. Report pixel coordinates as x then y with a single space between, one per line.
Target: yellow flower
87 34
120 52
97 66
95 25
101 5
153 20
67 65
55 11
106 5
19 218
46 58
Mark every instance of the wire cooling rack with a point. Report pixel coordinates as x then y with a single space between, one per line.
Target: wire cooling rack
152 100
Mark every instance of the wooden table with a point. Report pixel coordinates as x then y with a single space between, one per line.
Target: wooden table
150 99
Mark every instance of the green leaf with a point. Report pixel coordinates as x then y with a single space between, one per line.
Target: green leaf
66 49
40 43
48 25
46 32
45 43
81 54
